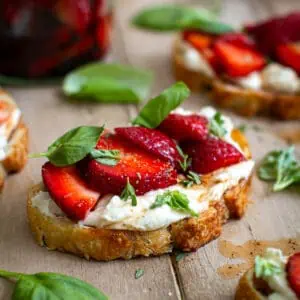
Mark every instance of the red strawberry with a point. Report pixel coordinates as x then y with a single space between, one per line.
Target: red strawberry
197 39
237 39
103 32
180 127
238 61
293 273
76 14
211 154
144 171
152 141
289 55
69 191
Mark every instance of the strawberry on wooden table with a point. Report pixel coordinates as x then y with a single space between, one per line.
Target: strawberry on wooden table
238 61
152 141
211 154
69 191
144 171
293 273
185 127
289 55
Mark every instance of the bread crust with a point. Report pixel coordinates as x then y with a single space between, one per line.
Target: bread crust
246 289
246 102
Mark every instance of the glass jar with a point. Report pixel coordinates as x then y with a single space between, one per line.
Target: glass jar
47 38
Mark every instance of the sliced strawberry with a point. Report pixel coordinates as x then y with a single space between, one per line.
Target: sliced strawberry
198 40
211 154
293 273
69 191
152 141
76 14
103 34
289 55
237 39
144 171
180 127
238 61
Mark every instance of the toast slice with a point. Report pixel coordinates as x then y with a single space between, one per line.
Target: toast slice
60 233
246 102
17 146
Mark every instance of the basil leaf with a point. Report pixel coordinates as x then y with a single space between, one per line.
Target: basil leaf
265 267
139 273
176 200
216 126
191 179
51 286
73 146
170 17
108 83
281 167
19 81
180 256
106 157
158 108
129 192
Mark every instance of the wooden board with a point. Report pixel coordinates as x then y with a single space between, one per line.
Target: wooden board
48 115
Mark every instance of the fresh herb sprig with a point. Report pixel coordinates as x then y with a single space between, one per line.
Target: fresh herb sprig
106 157
281 167
51 286
186 160
176 200
157 108
265 267
216 125
191 179
129 192
73 146
138 273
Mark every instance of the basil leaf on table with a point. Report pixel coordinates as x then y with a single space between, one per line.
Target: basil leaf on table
51 286
108 83
170 17
157 109
281 167
73 146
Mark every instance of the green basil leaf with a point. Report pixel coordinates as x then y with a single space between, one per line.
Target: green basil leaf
158 108
108 83
106 157
129 192
216 126
139 273
170 17
19 81
176 200
265 268
281 167
180 256
51 286
191 179
73 146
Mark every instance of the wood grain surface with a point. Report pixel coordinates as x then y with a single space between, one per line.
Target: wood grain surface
48 115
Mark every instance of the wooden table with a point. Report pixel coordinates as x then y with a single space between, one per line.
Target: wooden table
48 115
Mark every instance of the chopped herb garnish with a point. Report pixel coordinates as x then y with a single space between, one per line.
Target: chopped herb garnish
139 273
180 256
106 157
242 127
266 267
216 126
176 200
129 192
186 160
191 179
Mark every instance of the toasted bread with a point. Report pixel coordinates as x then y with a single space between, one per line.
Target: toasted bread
60 233
246 102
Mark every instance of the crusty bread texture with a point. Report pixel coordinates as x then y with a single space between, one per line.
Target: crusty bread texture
246 102
60 233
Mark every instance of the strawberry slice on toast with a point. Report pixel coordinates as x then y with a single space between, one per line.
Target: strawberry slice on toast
69 191
211 154
293 273
289 55
144 171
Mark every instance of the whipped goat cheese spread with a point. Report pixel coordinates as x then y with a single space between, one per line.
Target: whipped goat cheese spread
252 81
278 282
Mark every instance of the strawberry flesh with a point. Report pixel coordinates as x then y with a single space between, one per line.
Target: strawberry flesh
289 55
238 61
144 171
237 39
211 154
293 273
69 191
152 141
180 127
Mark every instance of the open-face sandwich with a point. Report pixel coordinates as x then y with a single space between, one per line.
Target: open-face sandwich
251 72
169 181
13 137
274 276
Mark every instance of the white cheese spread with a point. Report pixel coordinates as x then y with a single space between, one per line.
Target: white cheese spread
278 282
194 60
280 79
251 81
